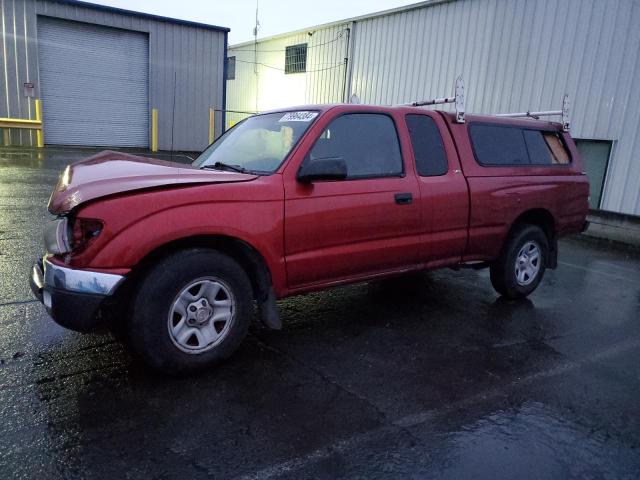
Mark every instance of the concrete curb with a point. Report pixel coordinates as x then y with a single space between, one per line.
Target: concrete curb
614 227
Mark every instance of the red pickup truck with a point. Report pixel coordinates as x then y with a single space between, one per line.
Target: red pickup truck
175 256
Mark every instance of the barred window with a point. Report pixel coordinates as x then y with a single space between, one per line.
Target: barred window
231 68
295 59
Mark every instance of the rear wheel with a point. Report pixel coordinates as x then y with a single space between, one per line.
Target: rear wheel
192 311
522 263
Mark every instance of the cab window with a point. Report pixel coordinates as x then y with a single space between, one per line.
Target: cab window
428 149
367 142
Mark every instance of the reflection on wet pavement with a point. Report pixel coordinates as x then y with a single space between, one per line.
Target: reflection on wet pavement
431 376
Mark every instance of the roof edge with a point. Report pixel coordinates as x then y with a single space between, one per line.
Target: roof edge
148 16
367 16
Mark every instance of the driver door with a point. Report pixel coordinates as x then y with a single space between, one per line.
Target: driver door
366 224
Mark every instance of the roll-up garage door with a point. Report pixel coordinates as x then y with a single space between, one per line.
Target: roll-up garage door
94 84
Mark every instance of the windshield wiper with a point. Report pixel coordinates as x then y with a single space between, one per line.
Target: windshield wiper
222 166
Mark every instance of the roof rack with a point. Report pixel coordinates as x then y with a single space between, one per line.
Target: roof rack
458 99
549 113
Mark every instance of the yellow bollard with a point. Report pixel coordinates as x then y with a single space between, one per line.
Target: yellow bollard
211 125
6 139
154 130
40 131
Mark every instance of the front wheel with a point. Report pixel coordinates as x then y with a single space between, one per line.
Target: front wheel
522 263
192 311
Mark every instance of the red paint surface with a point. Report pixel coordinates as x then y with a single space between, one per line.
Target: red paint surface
108 173
326 233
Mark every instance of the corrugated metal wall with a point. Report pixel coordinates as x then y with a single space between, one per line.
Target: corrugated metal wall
19 63
187 56
514 55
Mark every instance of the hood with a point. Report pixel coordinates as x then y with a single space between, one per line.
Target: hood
110 172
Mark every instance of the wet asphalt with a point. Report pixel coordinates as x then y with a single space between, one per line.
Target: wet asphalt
431 376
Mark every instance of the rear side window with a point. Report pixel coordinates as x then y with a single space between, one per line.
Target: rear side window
545 148
559 153
428 148
539 153
367 142
509 146
495 145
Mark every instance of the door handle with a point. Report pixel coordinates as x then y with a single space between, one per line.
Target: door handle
403 198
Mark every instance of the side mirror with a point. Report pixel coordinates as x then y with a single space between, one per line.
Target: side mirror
327 168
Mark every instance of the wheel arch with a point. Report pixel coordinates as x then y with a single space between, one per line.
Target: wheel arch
247 256
543 218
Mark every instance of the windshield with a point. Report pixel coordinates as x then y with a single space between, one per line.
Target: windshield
259 144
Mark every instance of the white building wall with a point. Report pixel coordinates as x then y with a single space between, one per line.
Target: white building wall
514 55
261 83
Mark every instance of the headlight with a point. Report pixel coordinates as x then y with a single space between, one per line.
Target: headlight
65 235
83 232
56 236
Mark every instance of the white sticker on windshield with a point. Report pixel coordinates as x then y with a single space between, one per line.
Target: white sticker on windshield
298 116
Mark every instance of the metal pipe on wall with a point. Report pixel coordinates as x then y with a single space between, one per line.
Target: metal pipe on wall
351 32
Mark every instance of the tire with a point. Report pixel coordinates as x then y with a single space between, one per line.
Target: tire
192 311
515 274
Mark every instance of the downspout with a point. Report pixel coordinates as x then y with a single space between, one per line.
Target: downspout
224 83
348 60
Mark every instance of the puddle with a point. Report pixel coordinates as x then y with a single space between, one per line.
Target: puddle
534 442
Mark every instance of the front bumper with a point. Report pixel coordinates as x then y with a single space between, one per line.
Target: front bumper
72 297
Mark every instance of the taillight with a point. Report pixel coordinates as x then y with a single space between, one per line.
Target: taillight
83 232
